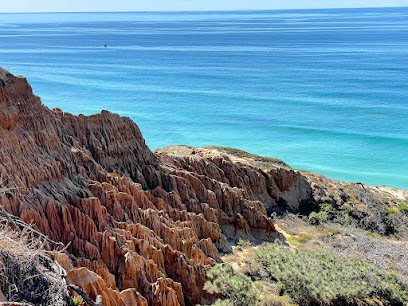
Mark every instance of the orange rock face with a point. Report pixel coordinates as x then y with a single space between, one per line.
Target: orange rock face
143 228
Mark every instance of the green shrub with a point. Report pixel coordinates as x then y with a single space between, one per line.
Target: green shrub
325 214
368 214
311 277
236 288
403 207
304 277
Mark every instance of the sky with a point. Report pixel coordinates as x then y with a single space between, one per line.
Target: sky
7 6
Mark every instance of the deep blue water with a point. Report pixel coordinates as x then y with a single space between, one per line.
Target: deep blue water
325 90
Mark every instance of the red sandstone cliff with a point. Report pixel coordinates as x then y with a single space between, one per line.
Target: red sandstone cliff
142 229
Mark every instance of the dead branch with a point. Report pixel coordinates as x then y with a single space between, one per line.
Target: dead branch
18 223
59 251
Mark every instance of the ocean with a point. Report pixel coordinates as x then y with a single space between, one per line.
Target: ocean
324 90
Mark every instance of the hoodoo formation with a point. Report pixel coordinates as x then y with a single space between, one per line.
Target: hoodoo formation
142 227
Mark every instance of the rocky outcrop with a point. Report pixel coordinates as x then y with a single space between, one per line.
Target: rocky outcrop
142 227
263 186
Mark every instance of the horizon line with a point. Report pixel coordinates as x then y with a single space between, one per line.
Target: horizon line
209 11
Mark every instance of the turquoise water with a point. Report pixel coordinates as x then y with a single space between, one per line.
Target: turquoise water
325 90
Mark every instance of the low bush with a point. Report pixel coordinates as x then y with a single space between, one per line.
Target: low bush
236 288
311 277
325 214
370 215
279 275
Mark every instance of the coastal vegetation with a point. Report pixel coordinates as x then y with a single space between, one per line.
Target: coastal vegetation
366 213
275 274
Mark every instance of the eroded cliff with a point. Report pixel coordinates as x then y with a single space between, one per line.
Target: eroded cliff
139 228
